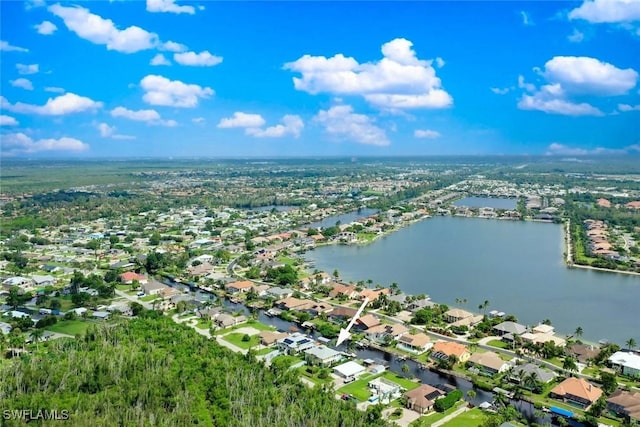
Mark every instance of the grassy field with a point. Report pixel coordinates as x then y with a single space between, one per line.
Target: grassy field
235 338
498 344
70 327
360 388
431 418
472 418
404 382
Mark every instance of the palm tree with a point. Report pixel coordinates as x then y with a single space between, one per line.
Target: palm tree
36 335
500 399
631 343
569 364
484 306
578 332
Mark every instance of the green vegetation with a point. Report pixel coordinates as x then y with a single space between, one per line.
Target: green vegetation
448 401
151 371
70 327
472 418
239 340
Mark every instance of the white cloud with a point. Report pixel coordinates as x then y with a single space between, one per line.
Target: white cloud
160 59
398 80
7 47
19 143
440 62
69 103
107 131
607 11
27 69
576 36
584 75
54 89
46 28
242 120
198 120
557 149
526 20
172 47
500 91
103 31
152 117
569 77
340 121
627 107
202 59
426 133
173 93
8 121
22 83
168 6
292 125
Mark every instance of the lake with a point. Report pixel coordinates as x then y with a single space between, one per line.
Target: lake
517 266
487 202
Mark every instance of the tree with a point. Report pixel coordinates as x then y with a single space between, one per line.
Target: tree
154 240
609 382
336 274
405 369
578 332
569 364
136 308
484 306
14 299
630 343
36 336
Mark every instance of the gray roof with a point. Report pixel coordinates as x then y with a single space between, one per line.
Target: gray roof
322 352
511 328
280 291
543 375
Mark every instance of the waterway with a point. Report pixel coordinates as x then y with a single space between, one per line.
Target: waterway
487 202
343 218
517 266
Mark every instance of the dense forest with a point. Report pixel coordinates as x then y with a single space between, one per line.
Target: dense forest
153 372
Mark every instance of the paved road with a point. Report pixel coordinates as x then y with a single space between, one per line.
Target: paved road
132 298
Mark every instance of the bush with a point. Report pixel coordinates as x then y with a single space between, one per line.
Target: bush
448 401
246 338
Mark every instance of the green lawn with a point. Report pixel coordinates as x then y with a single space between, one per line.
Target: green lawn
235 338
404 382
251 323
70 327
498 344
264 351
149 298
472 418
359 388
431 418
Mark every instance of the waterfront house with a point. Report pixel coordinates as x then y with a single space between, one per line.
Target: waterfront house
418 343
295 343
582 352
239 287
268 338
279 293
456 315
521 371
488 362
292 303
423 398
316 308
340 314
625 404
445 349
226 320
625 362
373 294
543 329
349 291
321 356
384 390
153 288
512 328
576 391
367 321
349 369
380 333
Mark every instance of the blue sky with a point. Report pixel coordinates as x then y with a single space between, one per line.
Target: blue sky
235 79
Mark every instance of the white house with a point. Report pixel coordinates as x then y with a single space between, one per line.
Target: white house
626 362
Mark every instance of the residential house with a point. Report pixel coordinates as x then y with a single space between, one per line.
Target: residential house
416 305
542 375
295 343
5 328
268 338
582 352
384 390
153 287
418 343
226 320
349 369
625 404
380 333
23 283
210 312
576 391
512 328
340 314
488 362
373 294
316 308
239 287
42 281
423 398
292 303
456 315
200 269
128 278
339 289
321 355
365 322
279 293
445 349
543 329
625 362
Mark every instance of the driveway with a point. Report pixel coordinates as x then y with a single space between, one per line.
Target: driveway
408 416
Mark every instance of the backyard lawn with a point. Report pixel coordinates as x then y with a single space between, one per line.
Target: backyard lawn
359 389
472 418
235 338
498 344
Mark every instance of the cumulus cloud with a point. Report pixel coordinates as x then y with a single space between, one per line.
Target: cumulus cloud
399 80
426 133
7 47
102 31
172 46
242 120
27 69
570 77
46 28
627 107
22 83
107 131
19 143
557 149
160 59
69 103
202 59
151 117
292 125
8 121
500 91
54 89
173 93
576 36
607 11
168 6
340 121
